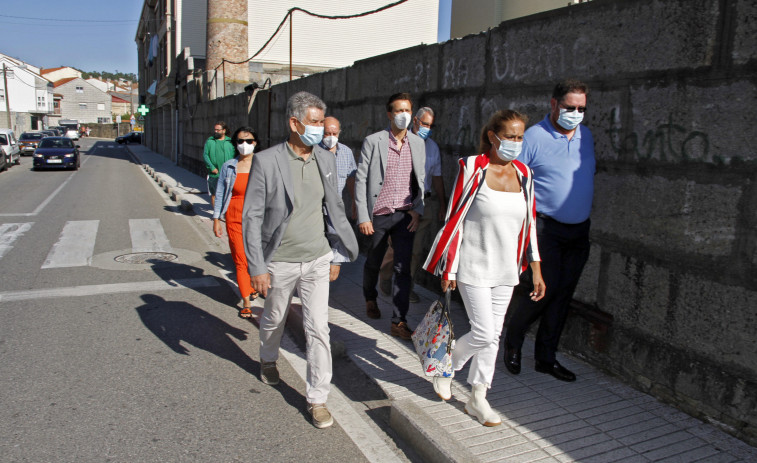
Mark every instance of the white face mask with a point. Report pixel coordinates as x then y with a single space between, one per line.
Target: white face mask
330 141
569 120
509 150
402 120
245 149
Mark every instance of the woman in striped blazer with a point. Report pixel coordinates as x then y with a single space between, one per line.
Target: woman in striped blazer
488 239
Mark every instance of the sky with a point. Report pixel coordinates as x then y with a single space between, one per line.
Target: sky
89 35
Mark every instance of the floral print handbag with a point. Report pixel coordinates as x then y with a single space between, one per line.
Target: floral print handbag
434 339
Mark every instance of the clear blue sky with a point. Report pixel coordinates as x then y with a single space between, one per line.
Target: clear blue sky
82 34
90 35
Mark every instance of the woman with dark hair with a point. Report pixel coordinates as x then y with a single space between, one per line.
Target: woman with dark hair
488 239
232 185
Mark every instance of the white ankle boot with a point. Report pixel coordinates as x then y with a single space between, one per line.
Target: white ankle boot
479 407
443 387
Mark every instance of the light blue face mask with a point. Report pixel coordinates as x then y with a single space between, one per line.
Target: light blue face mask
509 150
312 136
569 120
424 132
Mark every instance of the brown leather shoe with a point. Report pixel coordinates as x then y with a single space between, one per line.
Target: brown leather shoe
372 310
401 330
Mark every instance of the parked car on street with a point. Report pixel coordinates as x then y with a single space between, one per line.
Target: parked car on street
71 127
28 142
10 148
57 152
131 137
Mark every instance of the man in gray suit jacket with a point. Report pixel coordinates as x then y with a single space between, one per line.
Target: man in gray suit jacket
389 200
296 234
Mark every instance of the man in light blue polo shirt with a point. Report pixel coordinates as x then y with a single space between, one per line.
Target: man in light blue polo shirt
561 153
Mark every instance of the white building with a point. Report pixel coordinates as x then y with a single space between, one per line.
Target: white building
64 72
29 96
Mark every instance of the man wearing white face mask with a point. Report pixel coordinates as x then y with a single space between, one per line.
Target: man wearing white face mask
345 161
296 234
434 204
389 200
560 152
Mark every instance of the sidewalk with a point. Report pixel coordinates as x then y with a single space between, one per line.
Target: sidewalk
595 419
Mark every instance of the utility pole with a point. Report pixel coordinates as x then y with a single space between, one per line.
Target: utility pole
7 100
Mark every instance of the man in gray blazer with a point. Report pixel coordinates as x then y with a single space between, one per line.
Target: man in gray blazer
296 234
389 200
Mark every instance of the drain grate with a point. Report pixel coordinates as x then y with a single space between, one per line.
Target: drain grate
146 257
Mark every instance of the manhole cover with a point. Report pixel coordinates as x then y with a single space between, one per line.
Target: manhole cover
146 257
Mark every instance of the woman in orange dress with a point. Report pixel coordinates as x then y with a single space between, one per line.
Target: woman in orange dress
232 184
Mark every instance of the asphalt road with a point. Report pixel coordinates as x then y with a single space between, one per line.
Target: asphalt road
129 362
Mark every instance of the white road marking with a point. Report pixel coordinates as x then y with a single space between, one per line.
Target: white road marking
75 245
366 439
94 290
147 235
9 233
48 199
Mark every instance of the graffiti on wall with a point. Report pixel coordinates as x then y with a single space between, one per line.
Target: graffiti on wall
667 141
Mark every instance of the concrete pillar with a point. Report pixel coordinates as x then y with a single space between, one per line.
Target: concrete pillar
227 39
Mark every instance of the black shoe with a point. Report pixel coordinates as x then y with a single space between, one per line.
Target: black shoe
556 370
512 360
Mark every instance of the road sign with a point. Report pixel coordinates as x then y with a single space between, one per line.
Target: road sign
143 110
118 119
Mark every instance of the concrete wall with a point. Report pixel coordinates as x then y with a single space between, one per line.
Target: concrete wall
668 300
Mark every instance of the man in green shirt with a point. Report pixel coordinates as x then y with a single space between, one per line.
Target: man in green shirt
218 149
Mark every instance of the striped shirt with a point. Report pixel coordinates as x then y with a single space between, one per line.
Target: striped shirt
396 192
345 164
443 259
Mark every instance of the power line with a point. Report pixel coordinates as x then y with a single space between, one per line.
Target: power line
310 13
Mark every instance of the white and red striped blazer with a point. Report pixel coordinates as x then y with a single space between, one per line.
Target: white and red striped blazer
443 258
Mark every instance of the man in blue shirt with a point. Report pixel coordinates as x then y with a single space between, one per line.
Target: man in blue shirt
561 153
345 162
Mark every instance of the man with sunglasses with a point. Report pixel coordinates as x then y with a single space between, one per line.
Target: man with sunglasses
560 151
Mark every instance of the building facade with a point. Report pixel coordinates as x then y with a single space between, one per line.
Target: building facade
474 16
29 96
83 102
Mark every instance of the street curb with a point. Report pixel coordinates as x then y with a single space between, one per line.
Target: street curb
426 436
406 418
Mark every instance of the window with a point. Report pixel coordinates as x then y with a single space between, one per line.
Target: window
101 106
103 120
79 89
82 105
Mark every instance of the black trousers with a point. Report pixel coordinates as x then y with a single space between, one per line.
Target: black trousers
564 250
384 226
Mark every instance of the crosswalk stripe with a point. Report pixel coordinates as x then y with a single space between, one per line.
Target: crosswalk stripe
9 233
94 290
147 235
75 245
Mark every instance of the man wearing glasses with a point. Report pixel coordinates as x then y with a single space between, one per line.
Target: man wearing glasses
561 153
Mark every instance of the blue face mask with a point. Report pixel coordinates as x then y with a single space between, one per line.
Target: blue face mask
424 132
312 136
509 150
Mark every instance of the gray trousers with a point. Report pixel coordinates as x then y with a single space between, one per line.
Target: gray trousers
311 279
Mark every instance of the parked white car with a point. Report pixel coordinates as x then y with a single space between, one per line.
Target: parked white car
9 145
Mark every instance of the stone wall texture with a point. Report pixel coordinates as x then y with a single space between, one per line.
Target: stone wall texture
668 300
